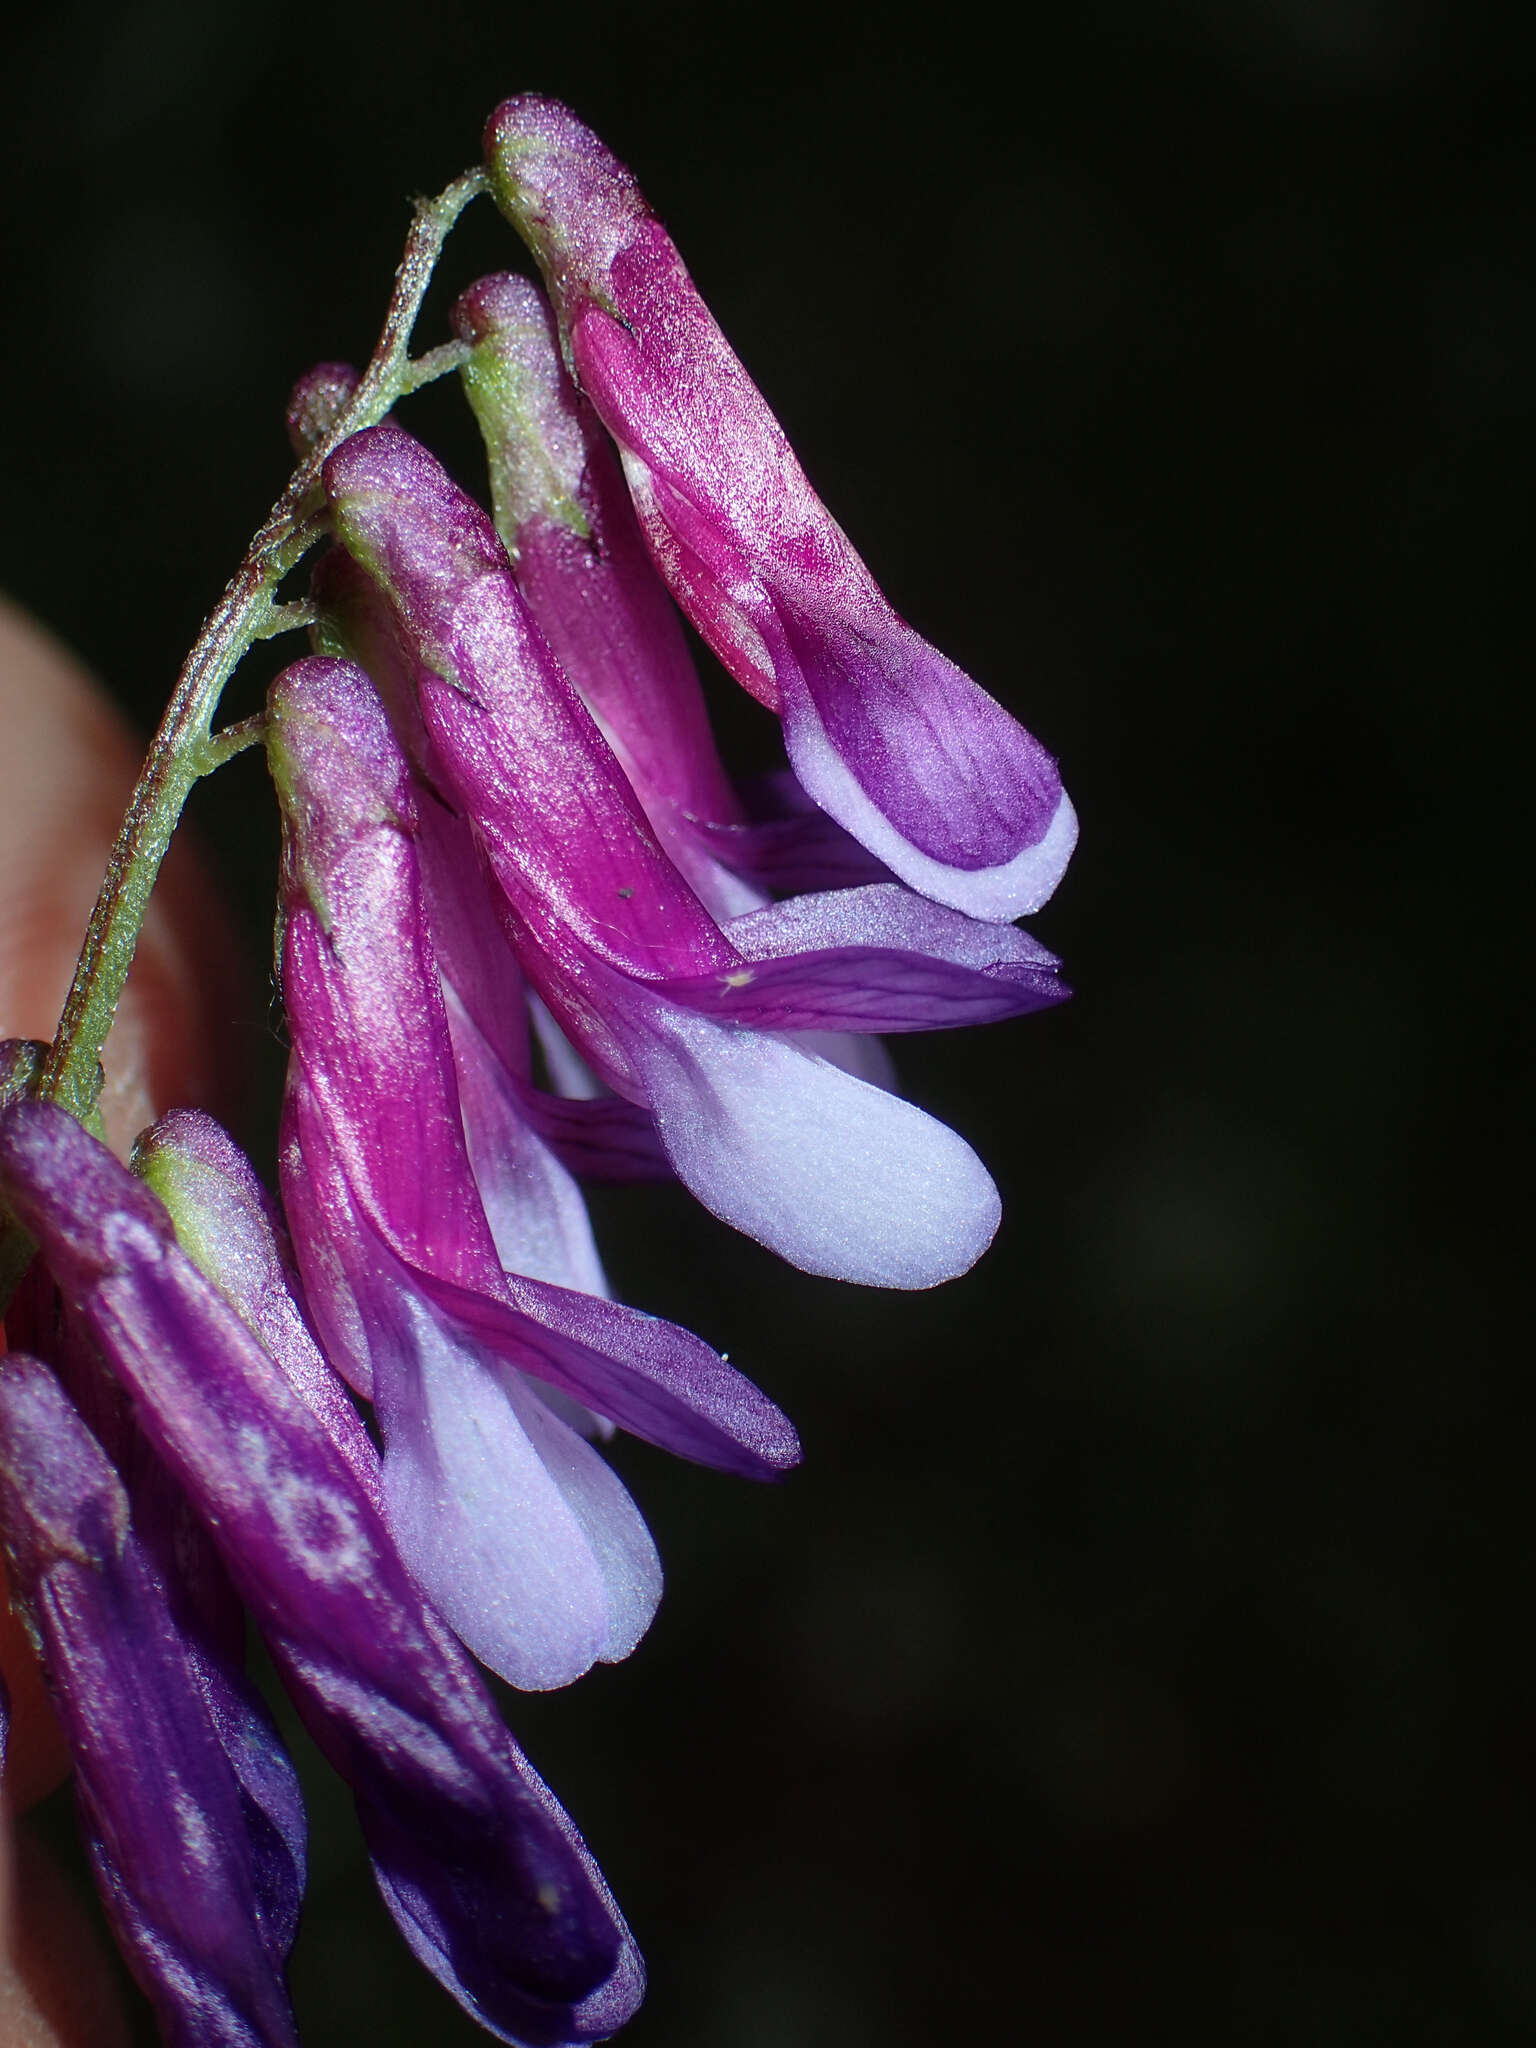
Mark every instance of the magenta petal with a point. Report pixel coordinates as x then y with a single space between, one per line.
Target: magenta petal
524 1538
475 955
324 1217
788 843
521 751
503 1903
879 958
599 1137
923 767
360 981
652 1378
604 925
890 738
582 564
649 1376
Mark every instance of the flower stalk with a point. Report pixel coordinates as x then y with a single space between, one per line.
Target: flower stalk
184 748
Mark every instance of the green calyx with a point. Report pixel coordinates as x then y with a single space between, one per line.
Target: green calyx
189 1191
525 473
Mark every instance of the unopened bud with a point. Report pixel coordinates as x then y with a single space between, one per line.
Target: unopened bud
316 403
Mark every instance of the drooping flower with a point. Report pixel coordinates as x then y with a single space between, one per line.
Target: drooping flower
884 732
188 1805
582 566
456 1285
697 1022
564 514
484 1874
594 1132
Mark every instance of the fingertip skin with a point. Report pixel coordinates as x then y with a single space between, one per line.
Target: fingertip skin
58 1987
37 1758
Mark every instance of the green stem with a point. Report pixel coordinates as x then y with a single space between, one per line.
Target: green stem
220 747
286 618
437 362
182 749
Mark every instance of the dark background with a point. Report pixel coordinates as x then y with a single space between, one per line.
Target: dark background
1144 1646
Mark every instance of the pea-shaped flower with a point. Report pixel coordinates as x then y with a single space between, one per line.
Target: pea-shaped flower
893 740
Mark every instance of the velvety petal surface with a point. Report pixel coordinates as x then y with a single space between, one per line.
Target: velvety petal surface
522 752
498 1896
582 564
545 1563
890 738
835 1175
229 1227
881 958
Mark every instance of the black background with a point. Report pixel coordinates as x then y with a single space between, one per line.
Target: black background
1144 1646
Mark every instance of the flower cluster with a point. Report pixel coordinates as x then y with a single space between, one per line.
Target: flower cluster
529 931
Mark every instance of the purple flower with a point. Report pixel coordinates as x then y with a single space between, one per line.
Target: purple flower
189 1806
888 736
582 566
697 1022
564 513
452 1276
483 1872
590 1129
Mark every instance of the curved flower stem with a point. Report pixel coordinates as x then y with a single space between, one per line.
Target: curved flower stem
182 750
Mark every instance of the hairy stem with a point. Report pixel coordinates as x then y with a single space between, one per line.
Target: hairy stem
182 750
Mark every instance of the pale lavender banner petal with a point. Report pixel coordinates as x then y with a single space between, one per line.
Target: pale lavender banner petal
837 1176
537 1218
